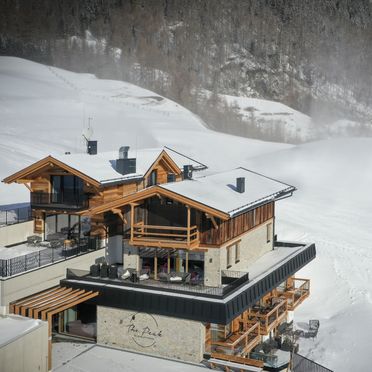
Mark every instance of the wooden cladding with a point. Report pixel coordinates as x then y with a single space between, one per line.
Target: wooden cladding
234 227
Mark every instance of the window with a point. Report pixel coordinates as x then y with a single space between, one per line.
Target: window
229 256
66 189
237 252
269 232
171 177
153 178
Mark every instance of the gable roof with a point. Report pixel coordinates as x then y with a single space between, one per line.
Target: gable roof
218 191
100 168
215 194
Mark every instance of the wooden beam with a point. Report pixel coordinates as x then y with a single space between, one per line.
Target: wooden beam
215 225
148 193
51 162
120 214
188 224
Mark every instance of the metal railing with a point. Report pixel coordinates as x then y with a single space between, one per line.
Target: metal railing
20 264
196 289
11 216
59 200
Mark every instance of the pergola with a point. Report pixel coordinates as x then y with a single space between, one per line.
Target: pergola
44 305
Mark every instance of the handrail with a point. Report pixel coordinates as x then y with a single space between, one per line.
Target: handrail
156 234
156 227
234 343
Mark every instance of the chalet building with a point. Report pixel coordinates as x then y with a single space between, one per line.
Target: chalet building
192 269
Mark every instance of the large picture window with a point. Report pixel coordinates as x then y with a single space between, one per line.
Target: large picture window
66 189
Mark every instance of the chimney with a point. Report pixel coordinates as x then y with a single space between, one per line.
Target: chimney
125 165
240 184
123 152
187 172
92 147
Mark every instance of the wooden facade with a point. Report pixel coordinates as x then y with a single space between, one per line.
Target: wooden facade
225 231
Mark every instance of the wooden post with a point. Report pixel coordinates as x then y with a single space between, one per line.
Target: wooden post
187 262
156 264
188 226
131 221
168 263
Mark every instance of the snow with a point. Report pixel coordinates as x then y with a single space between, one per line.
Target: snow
101 167
43 109
17 250
13 327
332 208
219 190
99 358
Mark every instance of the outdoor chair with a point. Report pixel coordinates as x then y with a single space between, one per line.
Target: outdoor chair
33 240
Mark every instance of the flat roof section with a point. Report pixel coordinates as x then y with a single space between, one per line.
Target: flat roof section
13 327
271 270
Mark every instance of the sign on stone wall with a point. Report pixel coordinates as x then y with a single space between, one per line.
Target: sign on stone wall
143 329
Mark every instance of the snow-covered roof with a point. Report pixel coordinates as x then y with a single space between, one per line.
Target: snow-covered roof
219 190
13 327
101 166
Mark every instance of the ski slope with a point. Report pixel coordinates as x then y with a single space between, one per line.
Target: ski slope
45 110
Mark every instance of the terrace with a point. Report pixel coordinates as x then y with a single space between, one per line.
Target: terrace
295 291
269 316
24 257
181 285
239 342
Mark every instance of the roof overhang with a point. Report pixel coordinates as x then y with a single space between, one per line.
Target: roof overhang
45 162
150 192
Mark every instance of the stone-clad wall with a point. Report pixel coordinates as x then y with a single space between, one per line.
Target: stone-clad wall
151 334
253 245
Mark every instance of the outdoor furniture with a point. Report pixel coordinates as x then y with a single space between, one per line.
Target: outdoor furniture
95 270
33 240
104 270
313 328
113 272
174 277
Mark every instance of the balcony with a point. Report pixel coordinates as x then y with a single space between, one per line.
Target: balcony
295 293
164 236
269 317
63 201
238 343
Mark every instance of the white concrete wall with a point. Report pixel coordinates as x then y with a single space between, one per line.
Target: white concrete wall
131 259
114 252
253 245
27 353
151 334
22 285
16 233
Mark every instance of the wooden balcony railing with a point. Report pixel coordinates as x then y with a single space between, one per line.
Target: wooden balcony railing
238 343
268 317
295 294
164 236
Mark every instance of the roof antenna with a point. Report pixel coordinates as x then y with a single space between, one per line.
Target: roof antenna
87 135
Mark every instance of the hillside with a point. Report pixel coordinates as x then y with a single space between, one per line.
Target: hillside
314 55
45 110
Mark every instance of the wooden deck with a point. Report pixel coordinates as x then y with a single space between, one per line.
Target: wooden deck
239 343
296 293
268 317
164 236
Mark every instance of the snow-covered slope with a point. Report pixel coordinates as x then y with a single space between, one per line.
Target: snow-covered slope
42 111
274 118
332 208
45 110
